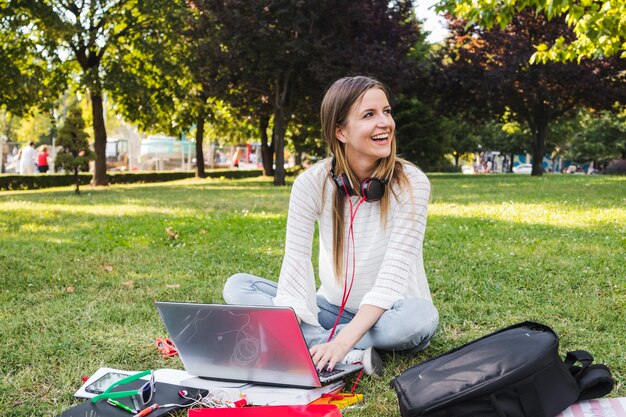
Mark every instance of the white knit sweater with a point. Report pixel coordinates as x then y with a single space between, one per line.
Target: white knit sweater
389 262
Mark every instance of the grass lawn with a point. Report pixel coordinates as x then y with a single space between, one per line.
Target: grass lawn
79 275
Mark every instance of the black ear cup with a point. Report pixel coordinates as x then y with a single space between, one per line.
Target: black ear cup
343 184
371 188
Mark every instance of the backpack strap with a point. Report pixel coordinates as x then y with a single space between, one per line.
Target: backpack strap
581 356
595 381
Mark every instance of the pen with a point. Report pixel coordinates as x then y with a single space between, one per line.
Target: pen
122 406
148 410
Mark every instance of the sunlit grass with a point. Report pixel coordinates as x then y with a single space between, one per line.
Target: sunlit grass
533 214
79 275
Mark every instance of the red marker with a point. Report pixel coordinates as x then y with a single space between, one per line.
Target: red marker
147 411
240 403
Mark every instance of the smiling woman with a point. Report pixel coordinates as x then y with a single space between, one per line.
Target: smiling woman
373 283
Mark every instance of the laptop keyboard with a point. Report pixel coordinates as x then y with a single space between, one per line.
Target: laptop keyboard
325 373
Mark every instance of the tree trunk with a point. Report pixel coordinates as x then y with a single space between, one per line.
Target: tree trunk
267 149
281 119
280 127
199 151
100 136
77 180
540 132
456 159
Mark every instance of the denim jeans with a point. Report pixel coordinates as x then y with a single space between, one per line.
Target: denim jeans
408 325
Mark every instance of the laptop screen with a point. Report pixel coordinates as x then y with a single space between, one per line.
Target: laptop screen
240 343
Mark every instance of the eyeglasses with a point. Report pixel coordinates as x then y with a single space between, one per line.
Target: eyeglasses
144 394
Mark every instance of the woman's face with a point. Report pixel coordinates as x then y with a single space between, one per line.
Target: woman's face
369 129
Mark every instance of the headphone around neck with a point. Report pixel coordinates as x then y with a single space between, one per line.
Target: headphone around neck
372 188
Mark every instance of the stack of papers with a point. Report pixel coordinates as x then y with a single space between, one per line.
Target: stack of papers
228 391
271 395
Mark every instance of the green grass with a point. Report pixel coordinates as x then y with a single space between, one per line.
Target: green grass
79 275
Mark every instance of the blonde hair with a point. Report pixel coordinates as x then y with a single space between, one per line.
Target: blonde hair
336 105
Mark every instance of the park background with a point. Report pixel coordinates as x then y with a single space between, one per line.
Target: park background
80 274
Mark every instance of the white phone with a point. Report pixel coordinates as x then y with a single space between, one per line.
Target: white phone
99 385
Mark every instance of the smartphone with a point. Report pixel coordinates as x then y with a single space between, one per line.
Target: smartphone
99 385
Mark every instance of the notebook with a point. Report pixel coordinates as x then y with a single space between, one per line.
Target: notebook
258 344
164 394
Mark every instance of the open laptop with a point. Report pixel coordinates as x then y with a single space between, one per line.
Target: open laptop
258 344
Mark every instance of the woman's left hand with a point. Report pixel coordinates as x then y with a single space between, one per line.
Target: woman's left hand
329 354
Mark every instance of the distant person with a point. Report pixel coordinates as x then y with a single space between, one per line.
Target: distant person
42 160
236 156
370 206
590 170
15 161
27 161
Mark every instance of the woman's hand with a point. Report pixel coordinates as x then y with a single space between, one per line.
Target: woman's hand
334 351
329 354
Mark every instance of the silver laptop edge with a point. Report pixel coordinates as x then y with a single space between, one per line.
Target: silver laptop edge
258 344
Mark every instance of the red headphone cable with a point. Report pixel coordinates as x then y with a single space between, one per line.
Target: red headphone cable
347 290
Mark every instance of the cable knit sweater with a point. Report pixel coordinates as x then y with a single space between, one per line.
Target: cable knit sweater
389 262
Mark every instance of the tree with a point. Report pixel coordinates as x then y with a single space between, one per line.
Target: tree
75 153
25 62
487 72
278 56
421 133
599 137
599 26
94 35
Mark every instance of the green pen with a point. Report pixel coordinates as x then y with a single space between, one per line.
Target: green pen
122 406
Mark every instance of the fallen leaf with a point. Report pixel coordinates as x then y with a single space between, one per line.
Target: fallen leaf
173 286
108 268
171 233
69 289
203 232
129 284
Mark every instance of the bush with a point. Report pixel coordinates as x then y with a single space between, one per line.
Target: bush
33 182
617 167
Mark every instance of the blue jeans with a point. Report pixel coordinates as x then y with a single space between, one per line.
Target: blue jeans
408 325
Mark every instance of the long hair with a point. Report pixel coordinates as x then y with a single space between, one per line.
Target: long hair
336 105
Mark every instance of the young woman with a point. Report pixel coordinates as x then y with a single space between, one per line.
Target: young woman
42 160
370 206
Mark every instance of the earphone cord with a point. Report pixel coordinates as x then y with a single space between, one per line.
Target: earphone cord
346 289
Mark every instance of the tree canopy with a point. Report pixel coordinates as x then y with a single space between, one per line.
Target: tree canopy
599 26
92 36
487 72
278 56
26 79
598 136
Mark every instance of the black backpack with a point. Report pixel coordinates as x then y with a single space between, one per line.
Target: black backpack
514 372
